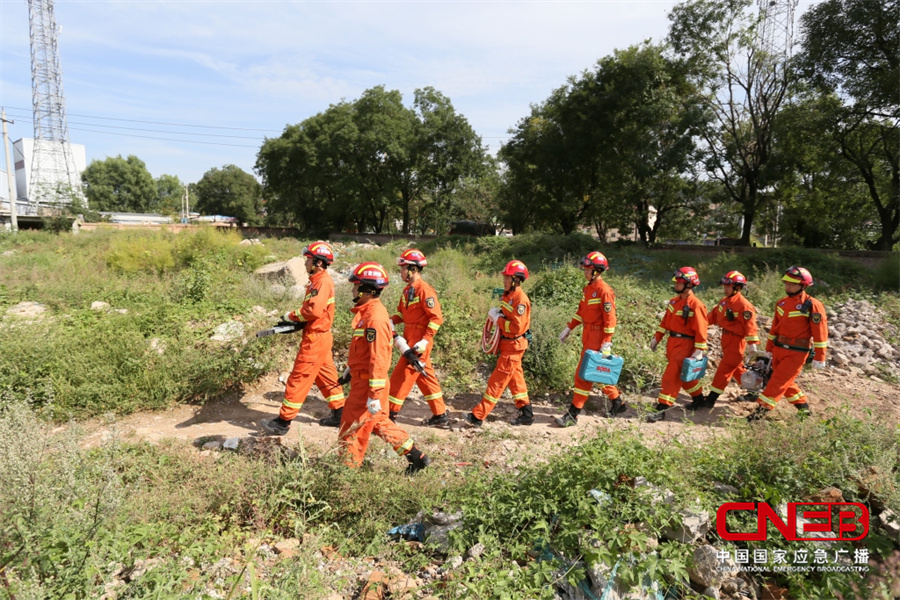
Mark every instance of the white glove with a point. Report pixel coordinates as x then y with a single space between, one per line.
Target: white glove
818 364
287 316
698 354
495 314
373 405
420 346
606 349
653 343
767 355
345 378
400 344
752 348
564 335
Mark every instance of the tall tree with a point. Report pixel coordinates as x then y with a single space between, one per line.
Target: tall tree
119 184
851 48
743 88
169 194
229 191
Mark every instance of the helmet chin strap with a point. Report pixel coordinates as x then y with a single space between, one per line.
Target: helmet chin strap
802 287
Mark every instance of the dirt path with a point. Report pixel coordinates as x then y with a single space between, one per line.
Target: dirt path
238 413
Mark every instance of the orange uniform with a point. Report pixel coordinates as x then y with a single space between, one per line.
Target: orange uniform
685 322
514 322
799 326
737 318
420 313
597 315
369 361
314 362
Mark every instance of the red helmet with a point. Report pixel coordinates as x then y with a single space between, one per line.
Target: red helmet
516 268
596 260
733 278
319 250
369 273
687 274
412 257
798 275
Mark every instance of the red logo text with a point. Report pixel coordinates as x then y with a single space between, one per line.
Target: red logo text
835 518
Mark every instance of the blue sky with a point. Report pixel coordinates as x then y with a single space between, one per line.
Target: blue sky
139 76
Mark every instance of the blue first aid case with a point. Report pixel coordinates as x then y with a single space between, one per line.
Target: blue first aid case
692 369
597 368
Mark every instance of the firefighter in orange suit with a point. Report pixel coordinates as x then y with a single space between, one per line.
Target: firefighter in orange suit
799 327
597 315
685 322
314 362
366 410
737 318
514 320
420 313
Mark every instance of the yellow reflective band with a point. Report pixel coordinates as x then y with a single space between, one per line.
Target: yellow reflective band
820 344
404 448
700 346
413 302
790 279
579 392
433 326
690 313
490 399
376 382
334 397
795 397
609 330
506 326
359 332
330 301
670 308
716 390
694 388
520 396
796 313
671 399
433 396
397 314
770 336
660 330
307 297
506 306
767 401
578 318
752 339
779 310
595 301
293 404
396 401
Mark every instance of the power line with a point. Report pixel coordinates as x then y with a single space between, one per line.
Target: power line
150 137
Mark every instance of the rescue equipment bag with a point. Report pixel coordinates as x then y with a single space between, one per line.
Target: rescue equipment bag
597 368
693 369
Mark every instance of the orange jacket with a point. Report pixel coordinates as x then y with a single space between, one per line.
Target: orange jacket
797 320
691 322
370 348
596 312
736 315
318 304
515 319
419 311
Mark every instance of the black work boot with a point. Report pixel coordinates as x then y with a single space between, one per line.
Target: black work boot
660 414
276 426
711 399
803 409
697 401
758 415
526 416
333 420
437 420
617 407
417 461
749 397
392 415
568 418
473 420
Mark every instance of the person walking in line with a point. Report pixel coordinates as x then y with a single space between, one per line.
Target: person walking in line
686 323
314 362
597 316
514 321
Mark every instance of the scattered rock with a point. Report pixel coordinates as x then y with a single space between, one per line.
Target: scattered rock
291 272
705 570
27 310
99 305
231 444
213 445
890 523
694 525
250 242
475 551
228 331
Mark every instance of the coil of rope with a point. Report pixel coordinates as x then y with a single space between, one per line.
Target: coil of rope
490 337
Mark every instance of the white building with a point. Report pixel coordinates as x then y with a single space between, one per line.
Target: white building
23 152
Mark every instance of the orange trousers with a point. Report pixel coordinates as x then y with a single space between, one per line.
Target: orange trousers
358 424
404 376
732 364
507 373
313 364
677 349
786 365
582 389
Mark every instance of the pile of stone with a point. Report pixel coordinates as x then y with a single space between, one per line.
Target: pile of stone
858 334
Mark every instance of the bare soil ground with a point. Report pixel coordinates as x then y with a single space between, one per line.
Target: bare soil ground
238 414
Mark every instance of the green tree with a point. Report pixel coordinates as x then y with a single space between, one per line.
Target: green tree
119 185
851 48
169 194
229 191
741 86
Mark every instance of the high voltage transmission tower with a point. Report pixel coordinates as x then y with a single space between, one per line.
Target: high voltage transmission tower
54 176
776 35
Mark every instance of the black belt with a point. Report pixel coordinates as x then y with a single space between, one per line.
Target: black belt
680 335
503 337
797 348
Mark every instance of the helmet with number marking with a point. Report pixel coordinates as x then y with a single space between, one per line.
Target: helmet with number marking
412 258
321 251
369 273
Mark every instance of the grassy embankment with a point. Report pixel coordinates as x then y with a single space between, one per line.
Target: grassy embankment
69 514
